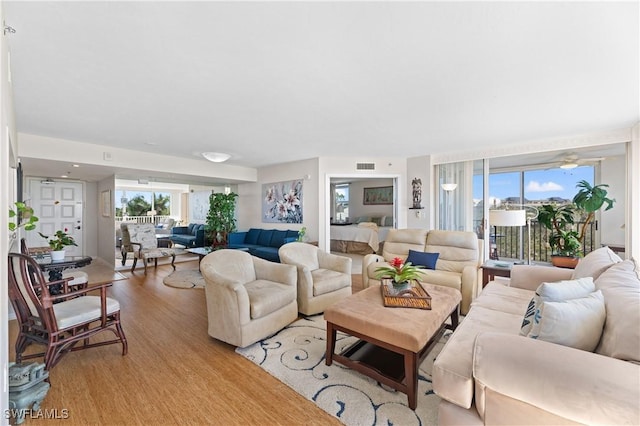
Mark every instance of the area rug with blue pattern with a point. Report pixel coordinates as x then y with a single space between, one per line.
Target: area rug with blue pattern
296 356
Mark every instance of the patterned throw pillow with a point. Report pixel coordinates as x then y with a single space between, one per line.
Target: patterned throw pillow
555 292
577 323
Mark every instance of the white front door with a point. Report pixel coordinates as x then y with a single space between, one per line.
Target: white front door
58 206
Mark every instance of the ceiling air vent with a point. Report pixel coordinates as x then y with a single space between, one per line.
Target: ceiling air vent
365 166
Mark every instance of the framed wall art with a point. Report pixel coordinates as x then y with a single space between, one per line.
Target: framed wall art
282 202
378 195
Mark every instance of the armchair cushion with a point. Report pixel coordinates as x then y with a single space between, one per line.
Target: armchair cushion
81 309
326 281
266 297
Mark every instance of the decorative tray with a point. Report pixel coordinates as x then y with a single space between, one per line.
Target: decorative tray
415 297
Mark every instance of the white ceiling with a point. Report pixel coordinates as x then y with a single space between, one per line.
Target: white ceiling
271 82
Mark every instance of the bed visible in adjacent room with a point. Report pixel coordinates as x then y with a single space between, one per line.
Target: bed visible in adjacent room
362 237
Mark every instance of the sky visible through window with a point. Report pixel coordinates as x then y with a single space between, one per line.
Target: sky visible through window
538 184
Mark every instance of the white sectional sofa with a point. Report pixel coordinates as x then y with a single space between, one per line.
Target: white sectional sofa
488 373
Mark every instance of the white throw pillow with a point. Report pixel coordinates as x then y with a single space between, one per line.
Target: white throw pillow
620 286
577 323
595 263
555 292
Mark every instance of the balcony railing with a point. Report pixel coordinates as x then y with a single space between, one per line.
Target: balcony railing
507 241
139 219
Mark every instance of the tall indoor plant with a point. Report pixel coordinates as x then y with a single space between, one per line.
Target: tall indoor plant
221 218
565 235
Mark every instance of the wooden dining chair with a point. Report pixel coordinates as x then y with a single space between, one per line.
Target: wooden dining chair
63 322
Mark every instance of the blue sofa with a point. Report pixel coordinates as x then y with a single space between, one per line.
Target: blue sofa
262 243
189 236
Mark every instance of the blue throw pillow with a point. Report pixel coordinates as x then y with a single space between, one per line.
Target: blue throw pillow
290 240
428 260
252 236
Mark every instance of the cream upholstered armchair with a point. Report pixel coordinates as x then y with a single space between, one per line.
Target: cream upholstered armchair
142 238
323 278
248 298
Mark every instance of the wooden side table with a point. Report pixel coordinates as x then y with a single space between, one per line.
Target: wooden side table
490 270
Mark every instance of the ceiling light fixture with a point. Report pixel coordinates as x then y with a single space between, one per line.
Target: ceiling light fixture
568 165
449 186
216 157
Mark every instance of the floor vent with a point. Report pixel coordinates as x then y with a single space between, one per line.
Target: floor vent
365 166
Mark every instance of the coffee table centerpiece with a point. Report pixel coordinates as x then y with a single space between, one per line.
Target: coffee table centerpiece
400 273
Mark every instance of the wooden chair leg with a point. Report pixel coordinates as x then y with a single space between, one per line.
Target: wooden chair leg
173 259
135 260
144 259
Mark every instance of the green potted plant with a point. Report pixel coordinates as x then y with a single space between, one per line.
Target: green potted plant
58 242
23 217
400 273
221 218
564 237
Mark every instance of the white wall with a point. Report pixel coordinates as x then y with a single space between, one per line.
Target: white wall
47 148
356 198
105 226
391 167
422 168
7 195
249 211
613 170
632 237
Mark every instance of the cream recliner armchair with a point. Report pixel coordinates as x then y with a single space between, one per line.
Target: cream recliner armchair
458 263
248 298
323 278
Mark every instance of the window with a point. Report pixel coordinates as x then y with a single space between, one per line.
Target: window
533 188
341 202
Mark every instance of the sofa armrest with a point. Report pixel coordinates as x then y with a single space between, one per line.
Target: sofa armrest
539 379
366 261
180 230
199 241
529 277
334 262
236 237
469 287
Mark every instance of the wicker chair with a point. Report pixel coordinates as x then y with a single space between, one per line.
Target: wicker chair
62 321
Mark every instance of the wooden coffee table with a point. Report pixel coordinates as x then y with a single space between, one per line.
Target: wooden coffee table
393 341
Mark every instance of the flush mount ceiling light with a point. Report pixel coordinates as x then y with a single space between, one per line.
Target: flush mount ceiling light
216 157
569 165
449 186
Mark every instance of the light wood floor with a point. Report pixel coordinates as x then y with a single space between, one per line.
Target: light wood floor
174 372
